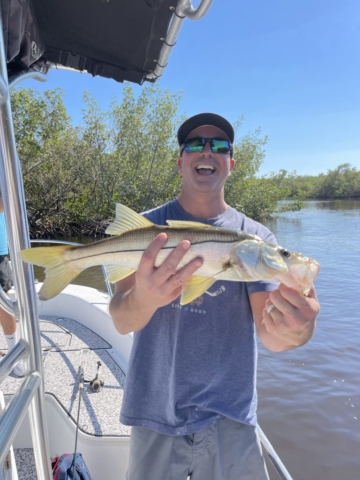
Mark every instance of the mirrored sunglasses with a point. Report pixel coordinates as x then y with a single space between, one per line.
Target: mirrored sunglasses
218 145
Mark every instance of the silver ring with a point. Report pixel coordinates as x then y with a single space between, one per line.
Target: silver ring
270 307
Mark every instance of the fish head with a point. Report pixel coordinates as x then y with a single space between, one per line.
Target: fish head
302 271
255 259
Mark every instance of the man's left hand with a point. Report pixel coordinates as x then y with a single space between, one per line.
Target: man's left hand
290 316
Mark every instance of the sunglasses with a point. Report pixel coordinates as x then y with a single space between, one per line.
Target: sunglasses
218 145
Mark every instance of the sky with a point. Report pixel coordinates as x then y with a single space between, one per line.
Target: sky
290 67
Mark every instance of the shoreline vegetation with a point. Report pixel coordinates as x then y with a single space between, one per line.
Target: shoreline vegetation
74 174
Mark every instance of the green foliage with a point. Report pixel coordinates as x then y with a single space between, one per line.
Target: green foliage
45 143
342 182
73 175
260 197
144 147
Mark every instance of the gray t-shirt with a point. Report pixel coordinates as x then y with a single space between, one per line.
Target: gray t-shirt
195 364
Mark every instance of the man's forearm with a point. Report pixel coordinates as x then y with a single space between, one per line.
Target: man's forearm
128 316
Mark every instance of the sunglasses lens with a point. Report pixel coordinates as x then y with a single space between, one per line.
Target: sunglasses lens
194 145
220 146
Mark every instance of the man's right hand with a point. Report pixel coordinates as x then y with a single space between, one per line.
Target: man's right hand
138 297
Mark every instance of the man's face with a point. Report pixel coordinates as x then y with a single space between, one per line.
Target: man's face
205 171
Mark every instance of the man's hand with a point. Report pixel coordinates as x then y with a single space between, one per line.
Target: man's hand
138 297
287 319
156 287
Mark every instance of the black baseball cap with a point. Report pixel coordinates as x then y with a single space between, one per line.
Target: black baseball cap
201 120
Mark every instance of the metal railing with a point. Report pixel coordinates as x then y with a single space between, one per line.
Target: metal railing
30 396
184 9
273 456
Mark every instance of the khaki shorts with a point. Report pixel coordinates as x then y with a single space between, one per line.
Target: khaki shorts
227 450
5 273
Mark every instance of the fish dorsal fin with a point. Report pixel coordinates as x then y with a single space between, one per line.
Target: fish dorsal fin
194 287
116 273
184 224
125 220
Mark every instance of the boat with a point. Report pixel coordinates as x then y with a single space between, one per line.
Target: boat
72 334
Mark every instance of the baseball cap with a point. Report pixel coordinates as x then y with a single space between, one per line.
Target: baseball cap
201 120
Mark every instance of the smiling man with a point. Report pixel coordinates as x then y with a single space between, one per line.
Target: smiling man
190 393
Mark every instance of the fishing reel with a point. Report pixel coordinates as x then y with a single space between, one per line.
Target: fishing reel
96 384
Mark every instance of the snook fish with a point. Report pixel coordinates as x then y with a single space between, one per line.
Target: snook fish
227 254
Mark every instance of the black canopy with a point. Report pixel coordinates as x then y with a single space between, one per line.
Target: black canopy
119 39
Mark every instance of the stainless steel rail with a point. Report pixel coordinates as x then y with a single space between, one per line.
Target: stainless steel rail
65 242
21 76
273 456
15 412
184 9
19 351
31 393
5 302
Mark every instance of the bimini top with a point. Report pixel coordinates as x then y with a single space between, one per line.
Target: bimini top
119 39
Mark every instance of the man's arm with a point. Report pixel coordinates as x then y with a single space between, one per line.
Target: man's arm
138 296
290 323
1 203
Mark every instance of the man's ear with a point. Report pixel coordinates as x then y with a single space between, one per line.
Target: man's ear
232 163
179 164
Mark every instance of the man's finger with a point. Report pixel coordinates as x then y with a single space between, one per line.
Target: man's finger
281 303
170 264
184 273
148 258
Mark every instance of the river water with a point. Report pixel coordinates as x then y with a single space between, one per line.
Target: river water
309 398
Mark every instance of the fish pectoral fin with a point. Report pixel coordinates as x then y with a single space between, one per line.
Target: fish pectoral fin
184 224
116 273
194 287
125 220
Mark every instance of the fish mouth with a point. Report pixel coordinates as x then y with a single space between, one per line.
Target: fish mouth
205 169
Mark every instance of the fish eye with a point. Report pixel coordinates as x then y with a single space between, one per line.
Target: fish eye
285 253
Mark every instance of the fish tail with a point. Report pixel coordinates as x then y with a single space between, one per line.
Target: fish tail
58 271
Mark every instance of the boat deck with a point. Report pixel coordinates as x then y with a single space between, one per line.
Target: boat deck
66 344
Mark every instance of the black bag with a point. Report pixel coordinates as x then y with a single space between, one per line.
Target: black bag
63 468
23 45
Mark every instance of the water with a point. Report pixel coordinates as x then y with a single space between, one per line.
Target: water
309 398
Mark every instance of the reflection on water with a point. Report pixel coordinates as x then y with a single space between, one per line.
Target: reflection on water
349 204
309 398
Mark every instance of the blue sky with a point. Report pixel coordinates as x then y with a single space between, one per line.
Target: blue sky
291 67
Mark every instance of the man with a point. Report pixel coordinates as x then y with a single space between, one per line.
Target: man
190 391
7 321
